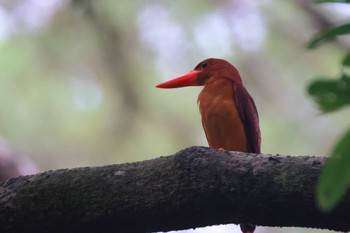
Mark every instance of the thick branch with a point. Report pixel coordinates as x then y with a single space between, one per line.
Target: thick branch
195 187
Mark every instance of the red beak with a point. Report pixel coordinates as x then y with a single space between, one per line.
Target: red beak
189 79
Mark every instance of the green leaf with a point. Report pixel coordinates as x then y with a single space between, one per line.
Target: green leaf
331 94
332 1
335 176
328 35
346 59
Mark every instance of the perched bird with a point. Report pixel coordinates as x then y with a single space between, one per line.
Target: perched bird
229 115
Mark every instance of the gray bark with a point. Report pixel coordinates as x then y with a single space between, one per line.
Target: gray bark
195 187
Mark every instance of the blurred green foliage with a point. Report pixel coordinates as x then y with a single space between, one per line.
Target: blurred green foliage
331 95
335 177
328 35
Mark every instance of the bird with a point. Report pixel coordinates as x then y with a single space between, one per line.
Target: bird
229 115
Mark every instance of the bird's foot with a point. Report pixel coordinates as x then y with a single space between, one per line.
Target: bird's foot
247 228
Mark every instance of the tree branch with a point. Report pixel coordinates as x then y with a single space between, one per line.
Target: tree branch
193 188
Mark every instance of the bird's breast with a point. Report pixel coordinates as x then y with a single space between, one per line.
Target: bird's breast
220 118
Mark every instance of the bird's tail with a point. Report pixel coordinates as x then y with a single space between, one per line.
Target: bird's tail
247 228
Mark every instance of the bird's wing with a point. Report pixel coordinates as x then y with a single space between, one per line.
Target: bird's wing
249 116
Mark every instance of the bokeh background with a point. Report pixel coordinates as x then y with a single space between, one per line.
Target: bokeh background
77 78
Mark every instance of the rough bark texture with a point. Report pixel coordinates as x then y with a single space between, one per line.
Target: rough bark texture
193 188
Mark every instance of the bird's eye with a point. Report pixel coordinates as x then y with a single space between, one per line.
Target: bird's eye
204 64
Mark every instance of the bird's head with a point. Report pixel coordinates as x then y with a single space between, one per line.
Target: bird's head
209 69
